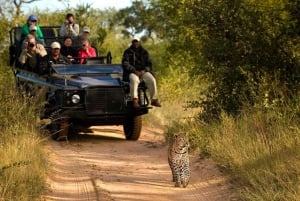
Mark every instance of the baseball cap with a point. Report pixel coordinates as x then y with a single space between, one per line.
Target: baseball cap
55 45
32 28
136 38
86 29
32 18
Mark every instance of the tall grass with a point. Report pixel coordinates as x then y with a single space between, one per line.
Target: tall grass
23 162
176 87
261 151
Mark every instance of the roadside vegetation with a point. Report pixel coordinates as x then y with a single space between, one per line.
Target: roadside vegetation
228 75
23 160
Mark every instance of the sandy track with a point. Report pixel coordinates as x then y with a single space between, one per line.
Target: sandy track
104 166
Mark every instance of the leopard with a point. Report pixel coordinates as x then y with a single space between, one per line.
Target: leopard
178 158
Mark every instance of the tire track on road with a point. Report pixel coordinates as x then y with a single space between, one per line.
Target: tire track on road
106 167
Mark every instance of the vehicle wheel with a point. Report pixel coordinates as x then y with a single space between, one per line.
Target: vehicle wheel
59 127
132 127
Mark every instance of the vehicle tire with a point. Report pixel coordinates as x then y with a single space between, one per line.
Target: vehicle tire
59 126
132 127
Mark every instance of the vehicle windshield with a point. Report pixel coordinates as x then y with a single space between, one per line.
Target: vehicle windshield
87 69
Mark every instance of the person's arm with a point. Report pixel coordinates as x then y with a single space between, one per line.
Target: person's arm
80 56
62 30
66 60
39 33
148 61
92 52
40 49
75 30
72 30
23 56
126 62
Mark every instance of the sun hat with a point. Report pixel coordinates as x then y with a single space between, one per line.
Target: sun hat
32 28
55 45
86 29
136 38
32 18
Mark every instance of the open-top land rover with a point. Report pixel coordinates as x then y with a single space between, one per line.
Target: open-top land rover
83 95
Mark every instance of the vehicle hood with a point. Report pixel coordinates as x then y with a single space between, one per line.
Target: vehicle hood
88 81
82 76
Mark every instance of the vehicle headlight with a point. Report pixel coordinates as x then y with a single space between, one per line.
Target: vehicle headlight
75 98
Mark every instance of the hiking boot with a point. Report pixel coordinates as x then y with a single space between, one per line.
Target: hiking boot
155 103
135 103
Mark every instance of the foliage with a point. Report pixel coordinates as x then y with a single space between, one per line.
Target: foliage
234 43
135 19
23 162
231 43
13 8
216 58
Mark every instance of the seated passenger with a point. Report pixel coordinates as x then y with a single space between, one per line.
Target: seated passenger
32 20
31 54
69 28
67 50
85 33
86 51
33 31
137 65
55 56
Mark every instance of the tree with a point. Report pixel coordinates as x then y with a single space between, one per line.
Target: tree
8 6
235 44
139 18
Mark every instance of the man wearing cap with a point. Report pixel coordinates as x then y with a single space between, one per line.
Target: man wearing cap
25 30
56 57
85 33
137 65
31 54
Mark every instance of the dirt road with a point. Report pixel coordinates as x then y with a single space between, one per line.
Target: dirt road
103 166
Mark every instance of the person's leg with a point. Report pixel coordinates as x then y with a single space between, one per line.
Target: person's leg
134 82
151 85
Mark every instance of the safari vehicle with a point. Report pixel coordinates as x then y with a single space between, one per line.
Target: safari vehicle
80 95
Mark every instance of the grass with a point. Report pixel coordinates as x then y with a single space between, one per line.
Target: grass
259 150
23 161
175 90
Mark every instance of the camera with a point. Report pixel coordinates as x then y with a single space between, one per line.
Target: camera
70 22
31 44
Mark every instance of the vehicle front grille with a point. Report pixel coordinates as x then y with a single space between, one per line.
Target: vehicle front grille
108 100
